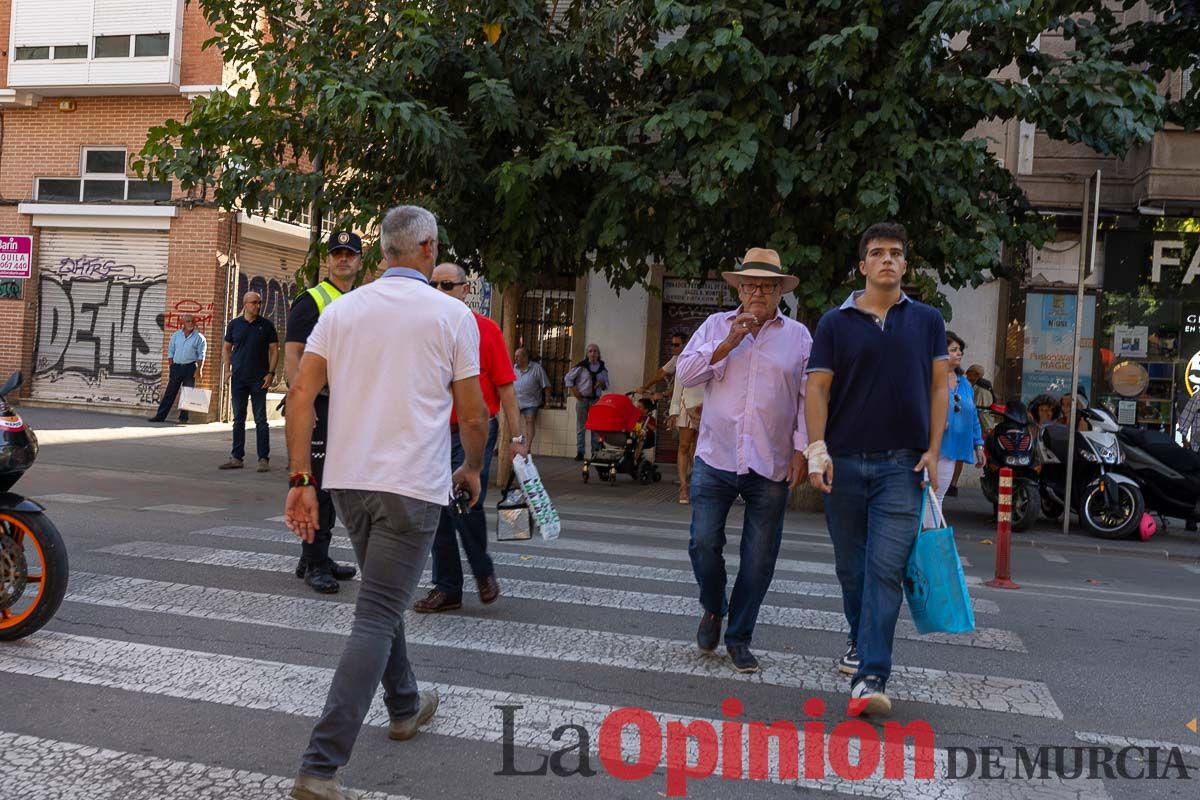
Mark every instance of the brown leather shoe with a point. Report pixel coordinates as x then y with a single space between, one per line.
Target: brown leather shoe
233 463
489 589
404 729
436 601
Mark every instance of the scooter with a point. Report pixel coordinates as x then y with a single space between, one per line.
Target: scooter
1011 444
33 558
1110 505
1168 474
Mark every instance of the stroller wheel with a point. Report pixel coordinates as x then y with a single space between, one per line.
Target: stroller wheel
657 476
587 474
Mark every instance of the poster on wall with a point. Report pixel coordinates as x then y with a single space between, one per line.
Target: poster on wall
479 295
1131 341
1050 341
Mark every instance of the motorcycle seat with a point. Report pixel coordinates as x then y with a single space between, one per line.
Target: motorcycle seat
1162 447
1055 437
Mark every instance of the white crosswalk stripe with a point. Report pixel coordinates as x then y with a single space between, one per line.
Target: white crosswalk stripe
72 498
50 770
465 712
177 508
531 640
810 619
1053 558
539 561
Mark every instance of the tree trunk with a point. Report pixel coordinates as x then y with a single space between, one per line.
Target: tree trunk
510 301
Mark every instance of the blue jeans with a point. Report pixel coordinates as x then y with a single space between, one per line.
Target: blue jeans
471 527
713 492
873 516
258 399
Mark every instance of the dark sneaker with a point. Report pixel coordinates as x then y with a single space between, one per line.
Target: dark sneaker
868 698
489 589
743 659
264 465
436 601
320 579
849 662
233 463
952 491
404 729
579 456
155 419
709 633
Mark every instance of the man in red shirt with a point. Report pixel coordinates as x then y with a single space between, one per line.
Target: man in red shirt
496 379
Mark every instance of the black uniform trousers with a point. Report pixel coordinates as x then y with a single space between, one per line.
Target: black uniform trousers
318 550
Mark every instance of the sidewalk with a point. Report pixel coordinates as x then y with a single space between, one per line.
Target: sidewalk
969 512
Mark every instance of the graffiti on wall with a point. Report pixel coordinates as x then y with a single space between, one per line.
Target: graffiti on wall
10 290
202 315
100 332
276 295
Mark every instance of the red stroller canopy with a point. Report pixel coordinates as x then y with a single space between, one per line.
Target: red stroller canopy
613 412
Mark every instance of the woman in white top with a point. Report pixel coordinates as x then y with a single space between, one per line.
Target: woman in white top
684 414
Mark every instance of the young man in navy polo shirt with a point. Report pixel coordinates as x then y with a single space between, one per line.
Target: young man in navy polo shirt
874 384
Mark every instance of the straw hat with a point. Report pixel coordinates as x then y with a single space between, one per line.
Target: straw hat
761 263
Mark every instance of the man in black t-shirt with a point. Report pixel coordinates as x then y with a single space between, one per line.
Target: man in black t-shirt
250 352
345 258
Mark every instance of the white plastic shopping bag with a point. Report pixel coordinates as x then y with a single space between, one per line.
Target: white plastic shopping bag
537 497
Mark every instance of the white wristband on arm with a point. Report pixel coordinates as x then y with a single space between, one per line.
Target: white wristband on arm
818 456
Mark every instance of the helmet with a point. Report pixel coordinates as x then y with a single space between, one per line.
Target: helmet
1148 527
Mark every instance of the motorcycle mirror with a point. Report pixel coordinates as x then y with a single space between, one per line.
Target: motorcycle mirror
14 382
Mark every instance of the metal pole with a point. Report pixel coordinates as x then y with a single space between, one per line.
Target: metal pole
1086 263
1003 577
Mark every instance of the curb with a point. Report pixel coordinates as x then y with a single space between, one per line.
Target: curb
1098 549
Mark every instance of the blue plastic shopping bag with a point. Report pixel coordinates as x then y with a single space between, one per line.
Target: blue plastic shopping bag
934 583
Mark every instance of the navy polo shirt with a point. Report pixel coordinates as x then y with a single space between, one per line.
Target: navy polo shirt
880 395
251 347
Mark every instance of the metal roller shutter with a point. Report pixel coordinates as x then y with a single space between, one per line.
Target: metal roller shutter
101 299
270 271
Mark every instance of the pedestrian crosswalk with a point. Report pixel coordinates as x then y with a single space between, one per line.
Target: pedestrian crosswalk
226 578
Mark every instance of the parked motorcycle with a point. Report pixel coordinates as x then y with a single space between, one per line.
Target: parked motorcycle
1168 474
1110 505
1011 444
33 558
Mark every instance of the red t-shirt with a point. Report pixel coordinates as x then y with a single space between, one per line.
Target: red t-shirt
495 367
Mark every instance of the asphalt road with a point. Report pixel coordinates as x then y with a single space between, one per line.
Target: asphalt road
189 662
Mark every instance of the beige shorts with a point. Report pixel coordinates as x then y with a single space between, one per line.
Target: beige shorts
688 418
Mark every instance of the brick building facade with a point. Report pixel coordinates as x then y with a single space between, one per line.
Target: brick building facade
116 260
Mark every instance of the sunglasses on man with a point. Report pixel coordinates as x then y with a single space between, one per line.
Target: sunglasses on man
447 286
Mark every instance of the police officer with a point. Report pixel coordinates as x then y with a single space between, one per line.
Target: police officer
345 259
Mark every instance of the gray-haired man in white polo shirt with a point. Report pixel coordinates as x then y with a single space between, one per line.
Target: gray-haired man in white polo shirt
396 355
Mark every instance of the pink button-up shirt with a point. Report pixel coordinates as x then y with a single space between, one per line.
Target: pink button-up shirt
753 414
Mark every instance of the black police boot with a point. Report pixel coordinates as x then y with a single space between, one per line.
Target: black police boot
301 567
320 579
343 572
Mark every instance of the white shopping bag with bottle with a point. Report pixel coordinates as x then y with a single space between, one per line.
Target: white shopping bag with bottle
537 497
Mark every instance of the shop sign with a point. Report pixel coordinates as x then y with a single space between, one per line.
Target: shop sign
697 293
16 256
1130 341
1050 343
1191 375
1167 261
1166 253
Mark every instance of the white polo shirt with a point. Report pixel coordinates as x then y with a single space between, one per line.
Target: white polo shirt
393 347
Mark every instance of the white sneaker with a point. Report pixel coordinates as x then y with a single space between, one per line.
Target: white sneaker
868 698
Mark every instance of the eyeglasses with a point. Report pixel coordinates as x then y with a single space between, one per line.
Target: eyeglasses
760 288
447 286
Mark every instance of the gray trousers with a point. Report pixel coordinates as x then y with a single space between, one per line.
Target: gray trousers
391 535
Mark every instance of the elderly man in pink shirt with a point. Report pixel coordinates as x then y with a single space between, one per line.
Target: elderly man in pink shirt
752 438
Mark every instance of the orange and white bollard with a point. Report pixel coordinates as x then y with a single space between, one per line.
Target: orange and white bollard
1003 579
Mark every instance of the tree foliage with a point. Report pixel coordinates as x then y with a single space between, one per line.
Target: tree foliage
611 134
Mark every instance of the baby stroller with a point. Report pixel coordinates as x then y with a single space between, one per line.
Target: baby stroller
625 437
